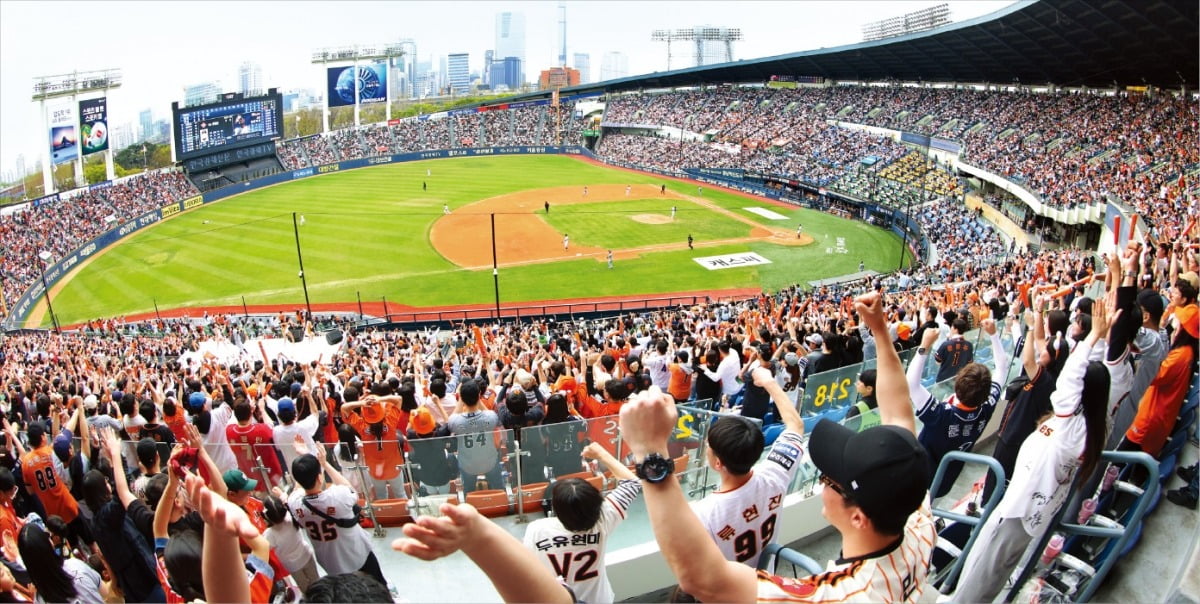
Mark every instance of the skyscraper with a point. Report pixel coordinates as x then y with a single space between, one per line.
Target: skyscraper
510 38
250 78
562 35
199 94
583 62
489 56
146 121
459 72
614 65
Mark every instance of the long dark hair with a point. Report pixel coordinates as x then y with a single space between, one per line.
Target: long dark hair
182 558
348 437
96 491
1094 398
44 565
556 409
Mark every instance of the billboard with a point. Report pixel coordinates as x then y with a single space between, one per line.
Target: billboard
93 125
372 84
64 139
230 123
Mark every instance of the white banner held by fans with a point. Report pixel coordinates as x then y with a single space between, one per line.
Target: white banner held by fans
716 263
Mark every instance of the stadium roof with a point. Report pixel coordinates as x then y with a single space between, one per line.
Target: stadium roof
1069 43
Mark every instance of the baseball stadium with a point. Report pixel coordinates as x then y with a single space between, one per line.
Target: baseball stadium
814 325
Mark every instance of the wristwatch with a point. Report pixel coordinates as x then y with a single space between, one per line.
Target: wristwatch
922 350
655 468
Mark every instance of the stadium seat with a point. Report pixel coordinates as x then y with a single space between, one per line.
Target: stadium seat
491 502
532 496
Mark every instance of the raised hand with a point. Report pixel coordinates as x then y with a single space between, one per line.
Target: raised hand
430 537
218 512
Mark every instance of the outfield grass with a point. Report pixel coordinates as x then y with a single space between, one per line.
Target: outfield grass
366 230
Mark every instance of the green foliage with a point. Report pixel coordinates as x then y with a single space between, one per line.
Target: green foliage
94 171
367 231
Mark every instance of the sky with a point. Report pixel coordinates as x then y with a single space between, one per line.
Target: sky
161 47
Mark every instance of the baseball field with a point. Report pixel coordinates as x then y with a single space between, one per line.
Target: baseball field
384 231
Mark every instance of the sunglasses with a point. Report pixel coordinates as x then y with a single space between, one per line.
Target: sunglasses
828 482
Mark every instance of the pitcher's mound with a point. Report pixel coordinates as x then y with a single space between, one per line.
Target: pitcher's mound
651 218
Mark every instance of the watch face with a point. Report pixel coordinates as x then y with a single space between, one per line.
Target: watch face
655 468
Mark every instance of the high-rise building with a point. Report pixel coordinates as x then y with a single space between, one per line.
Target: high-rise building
489 57
459 72
510 38
505 74
146 121
558 77
423 80
583 62
199 94
250 78
562 35
614 65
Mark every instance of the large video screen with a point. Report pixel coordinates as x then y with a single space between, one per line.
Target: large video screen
227 124
370 79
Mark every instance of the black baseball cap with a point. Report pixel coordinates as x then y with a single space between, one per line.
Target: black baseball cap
880 468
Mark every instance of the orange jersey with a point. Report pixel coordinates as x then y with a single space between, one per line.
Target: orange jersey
381 454
41 478
176 423
680 385
10 526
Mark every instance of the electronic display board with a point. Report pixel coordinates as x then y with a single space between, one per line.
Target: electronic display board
227 124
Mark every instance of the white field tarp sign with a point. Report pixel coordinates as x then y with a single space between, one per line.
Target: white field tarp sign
716 263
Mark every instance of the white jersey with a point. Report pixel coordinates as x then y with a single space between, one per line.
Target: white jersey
742 521
578 558
216 443
285 438
894 574
338 550
290 544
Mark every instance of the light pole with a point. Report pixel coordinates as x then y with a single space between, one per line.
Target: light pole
300 259
145 160
45 256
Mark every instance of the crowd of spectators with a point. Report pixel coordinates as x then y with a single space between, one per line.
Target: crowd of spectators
59 227
1069 149
128 396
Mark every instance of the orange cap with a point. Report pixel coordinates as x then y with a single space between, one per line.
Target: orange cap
1187 319
422 421
373 412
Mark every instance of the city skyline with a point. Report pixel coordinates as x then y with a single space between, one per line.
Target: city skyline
150 43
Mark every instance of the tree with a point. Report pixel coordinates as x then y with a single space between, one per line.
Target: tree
94 171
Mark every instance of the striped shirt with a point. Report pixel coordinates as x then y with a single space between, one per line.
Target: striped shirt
893 574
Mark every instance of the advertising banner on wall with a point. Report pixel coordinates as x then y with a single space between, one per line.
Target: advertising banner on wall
372 84
93 125
64 138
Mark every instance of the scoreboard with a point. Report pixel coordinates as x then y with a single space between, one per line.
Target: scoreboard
231 123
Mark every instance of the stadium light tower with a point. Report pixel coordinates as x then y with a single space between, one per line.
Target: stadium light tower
702 39
354 55
73 85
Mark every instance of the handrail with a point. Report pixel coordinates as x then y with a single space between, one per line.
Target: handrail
951 576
